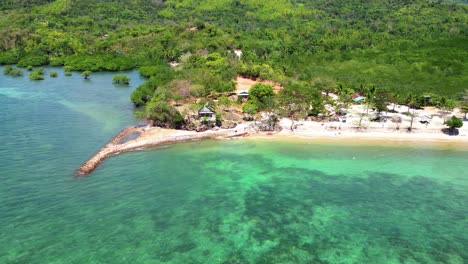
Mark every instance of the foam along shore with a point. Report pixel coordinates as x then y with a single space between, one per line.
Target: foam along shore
148 137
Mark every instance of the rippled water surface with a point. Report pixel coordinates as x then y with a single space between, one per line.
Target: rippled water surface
234 201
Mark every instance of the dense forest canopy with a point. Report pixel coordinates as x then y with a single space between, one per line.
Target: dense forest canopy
411 45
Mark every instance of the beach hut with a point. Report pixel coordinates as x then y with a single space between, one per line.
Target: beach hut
243 94
205 112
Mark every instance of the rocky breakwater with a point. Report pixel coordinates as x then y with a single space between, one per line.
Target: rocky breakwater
152 136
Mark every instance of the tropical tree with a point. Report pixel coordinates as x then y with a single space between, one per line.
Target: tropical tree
464 109
262 94
465 96
395 99
370 99
325 84
453 123
86 74
345 94
120 79
298 100
449 105
410 101
162 114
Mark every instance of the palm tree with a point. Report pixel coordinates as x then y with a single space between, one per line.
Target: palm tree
464 109
370 96
411 100
395 100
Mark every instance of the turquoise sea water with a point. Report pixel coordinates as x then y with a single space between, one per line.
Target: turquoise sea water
232 201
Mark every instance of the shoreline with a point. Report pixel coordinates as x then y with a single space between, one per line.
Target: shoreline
370 139
155 136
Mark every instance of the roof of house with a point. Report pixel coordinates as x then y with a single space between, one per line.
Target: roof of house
243 93
205 110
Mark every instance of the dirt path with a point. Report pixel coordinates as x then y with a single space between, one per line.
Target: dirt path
244 84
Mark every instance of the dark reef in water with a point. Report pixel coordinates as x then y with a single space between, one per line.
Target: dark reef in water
306 216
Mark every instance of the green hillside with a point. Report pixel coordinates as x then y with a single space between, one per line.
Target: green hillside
417 45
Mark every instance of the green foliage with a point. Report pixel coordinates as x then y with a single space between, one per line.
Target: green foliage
218 120
7 70
453 123
251 107
262 95
158 76
53 74
33 60
9 57
298 100
224 102
197 91
39 70
67 70
14 72
86 74
464 109
163 114
148 71
416 46
161 72
56 61
100 62
37 74
120 79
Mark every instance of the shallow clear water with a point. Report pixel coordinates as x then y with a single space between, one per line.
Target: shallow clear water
233 201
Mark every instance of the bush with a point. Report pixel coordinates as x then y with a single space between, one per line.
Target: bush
148 71
163 114
120 79
453 123
144 92
250 107
33 60
9 57
197 90
68 73
29 68
263 94
86 74
36 76
56 61
53 74
99 62
162 72
7 70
